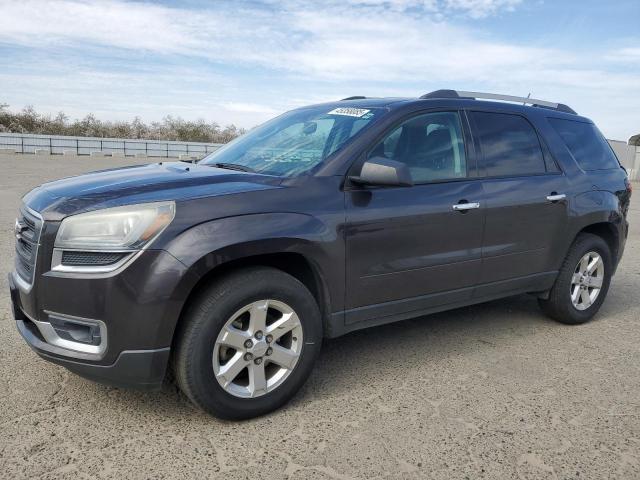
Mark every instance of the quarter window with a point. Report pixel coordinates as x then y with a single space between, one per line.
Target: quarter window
586 144
509 145
431 145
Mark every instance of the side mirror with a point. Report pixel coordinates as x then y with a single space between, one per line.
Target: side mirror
384 172
309 128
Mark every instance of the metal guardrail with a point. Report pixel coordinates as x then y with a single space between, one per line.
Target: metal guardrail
59 145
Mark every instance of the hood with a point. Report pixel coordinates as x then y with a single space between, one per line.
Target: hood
140 184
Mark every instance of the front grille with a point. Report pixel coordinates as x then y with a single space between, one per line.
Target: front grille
28 228
73 258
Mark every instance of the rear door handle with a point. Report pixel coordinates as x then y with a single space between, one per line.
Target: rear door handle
466 206
556 197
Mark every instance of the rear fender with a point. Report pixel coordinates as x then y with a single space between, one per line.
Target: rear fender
591 208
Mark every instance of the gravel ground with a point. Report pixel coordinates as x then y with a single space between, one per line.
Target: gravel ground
490 391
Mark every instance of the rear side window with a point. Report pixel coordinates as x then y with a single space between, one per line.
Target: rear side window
586 144
509 145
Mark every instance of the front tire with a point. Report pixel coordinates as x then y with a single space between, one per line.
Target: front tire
247 343
582 283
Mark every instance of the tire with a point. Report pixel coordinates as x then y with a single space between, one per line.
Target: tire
201 348
560 305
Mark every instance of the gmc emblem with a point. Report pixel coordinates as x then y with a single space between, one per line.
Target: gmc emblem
19 228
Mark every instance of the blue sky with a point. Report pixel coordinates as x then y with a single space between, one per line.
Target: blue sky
243 62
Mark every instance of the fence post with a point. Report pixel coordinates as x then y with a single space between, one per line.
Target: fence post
50 147
21 144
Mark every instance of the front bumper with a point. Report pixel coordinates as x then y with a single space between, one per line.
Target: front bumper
142 369
131 315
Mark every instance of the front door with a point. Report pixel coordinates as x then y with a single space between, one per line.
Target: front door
414 248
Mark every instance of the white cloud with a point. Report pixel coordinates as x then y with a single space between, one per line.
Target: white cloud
237 31
114 23
482 8
629 56
472 8
311 52
248 108
335 40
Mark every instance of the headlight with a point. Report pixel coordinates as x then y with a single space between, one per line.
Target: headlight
129 227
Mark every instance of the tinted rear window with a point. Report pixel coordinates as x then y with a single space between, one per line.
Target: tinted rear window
586 144
509 144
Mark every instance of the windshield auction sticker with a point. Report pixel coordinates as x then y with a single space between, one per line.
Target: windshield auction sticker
349 112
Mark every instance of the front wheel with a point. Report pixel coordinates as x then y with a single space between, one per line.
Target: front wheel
248 343
582 283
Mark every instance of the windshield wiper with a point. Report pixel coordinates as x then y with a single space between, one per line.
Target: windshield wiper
234 166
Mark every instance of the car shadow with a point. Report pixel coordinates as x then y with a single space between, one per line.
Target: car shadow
344 360
429 338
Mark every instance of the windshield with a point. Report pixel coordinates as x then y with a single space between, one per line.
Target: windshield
294 142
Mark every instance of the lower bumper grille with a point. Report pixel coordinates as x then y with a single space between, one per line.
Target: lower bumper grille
74 258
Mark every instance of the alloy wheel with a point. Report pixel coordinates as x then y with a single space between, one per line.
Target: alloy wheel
257 348
587 279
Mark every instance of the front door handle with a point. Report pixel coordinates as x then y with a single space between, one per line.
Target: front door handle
463 207
556 197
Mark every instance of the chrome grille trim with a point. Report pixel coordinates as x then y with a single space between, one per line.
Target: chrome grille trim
28 230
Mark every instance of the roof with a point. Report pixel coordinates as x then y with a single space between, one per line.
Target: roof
366 102
464 99
461 102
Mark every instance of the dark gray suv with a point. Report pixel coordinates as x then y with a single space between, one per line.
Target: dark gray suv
331 218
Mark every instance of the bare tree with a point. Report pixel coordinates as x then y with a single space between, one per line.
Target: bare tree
170 128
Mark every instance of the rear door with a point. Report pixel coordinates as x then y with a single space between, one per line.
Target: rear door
525 197
407 247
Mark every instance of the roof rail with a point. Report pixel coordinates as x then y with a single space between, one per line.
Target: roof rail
355 97
494 96
441 94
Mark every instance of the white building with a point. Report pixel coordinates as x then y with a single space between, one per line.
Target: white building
629 155
634 142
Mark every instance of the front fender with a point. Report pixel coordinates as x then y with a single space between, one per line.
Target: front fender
208 245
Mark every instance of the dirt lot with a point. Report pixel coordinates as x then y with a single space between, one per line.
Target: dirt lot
490 391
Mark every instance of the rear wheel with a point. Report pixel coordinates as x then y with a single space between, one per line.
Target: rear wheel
582 283
248 343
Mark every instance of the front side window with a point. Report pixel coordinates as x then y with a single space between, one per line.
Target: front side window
509 145
295 142
431 145
586 144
